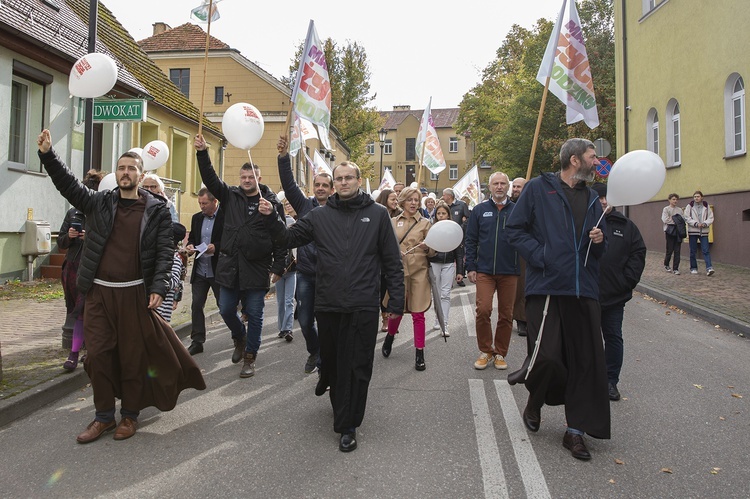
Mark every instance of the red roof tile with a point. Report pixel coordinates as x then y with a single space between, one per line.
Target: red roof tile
187 37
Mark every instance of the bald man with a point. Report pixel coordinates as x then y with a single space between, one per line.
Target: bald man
517 187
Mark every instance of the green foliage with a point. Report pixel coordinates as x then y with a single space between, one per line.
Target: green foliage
501 112
352 114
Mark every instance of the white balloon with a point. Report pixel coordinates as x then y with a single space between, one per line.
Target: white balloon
414 185
154 154
635 178
444 236
108 183
243 125
138 151
93 75
374 195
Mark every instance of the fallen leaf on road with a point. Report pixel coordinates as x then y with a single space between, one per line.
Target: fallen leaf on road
717 326
611 480
619 461
730 386
666 470
715 471
668 312
722 418
699 387
81 399
737 395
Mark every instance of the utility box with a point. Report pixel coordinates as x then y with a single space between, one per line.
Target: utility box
37 238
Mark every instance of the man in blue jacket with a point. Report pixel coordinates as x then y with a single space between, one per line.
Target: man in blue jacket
306 255
555 226
492 264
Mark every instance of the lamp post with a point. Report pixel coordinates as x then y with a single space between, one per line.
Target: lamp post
381 137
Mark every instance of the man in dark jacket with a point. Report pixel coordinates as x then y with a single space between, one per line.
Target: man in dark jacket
307 254
355 242
247 257
459 213
554 228
620 270
492 264
206 228
124 273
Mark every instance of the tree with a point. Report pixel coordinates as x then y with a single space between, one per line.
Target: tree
351 113
500 113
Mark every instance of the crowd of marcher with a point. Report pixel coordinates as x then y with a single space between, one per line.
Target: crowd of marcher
561 262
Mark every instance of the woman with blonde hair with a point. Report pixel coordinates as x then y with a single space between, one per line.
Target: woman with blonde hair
411 229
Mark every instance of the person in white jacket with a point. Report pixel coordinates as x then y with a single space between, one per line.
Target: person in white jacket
699 217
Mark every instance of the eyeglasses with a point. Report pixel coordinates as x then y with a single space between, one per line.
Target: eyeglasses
346 179
151 187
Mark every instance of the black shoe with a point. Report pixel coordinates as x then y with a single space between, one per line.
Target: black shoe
388 344
288 336
614 394
195 348
532 418
521 326
419 364
348 442
575 444
239 350
322 386
461 283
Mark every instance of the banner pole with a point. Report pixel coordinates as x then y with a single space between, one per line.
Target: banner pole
538 127
205 65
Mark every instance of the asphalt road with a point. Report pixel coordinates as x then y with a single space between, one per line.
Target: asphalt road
450 431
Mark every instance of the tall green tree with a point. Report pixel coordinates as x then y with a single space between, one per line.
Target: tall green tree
500 113
352 112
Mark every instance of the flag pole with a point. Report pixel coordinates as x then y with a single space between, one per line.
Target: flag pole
421 160
538 128
205 64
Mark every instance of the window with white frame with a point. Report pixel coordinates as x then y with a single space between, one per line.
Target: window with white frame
388 146
652 131
28 106
649 5
453 144
370 148
434 176
674 156
453 172
734 116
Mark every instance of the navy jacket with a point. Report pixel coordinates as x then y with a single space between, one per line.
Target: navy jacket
307 255
542 229
487 248
623 262
194 238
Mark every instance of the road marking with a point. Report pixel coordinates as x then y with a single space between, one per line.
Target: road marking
531 472
468 315
493 476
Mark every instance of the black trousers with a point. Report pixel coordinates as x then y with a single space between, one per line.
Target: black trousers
570 367
673 246
200 288
347 350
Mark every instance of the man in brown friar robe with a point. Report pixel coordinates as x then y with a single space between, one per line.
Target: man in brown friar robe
132 354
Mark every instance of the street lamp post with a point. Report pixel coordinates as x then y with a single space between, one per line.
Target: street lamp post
381 137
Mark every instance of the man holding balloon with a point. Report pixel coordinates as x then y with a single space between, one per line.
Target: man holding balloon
552 226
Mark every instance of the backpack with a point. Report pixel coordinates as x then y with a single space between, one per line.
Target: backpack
680 226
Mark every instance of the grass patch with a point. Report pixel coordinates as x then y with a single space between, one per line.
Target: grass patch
41 290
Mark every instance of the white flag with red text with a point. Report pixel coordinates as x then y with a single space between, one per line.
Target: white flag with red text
468 188
388 181
427 139
311 95
566 63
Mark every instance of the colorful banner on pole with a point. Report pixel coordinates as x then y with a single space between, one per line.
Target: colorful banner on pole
388 181
566 63
200 13
433 158
311 96
468 188
320 164
302 130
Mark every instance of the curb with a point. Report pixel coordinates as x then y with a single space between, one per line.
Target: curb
726 322
35 398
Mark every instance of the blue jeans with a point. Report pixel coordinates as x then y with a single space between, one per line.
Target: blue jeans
694 249
306 311
253 301
613 345
285 300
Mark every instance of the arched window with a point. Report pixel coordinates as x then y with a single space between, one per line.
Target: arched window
652 131
674 154
734 116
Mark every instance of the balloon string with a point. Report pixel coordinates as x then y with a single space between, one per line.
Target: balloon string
609 208
252 169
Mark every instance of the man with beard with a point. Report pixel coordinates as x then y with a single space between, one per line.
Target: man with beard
519 306
124 273
355 243
307 254
554 228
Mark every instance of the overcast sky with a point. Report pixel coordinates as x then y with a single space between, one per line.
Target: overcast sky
416 49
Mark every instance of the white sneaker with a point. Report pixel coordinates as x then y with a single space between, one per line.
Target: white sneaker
710 272
446 334
436 327
676 272
693 271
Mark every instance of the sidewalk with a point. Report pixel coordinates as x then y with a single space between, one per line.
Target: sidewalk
30 332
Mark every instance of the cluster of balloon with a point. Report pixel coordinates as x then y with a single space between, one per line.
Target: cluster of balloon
154 155
108 183
444 236
93 75
242 125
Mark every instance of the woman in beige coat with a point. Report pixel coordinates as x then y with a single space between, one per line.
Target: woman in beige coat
411 229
